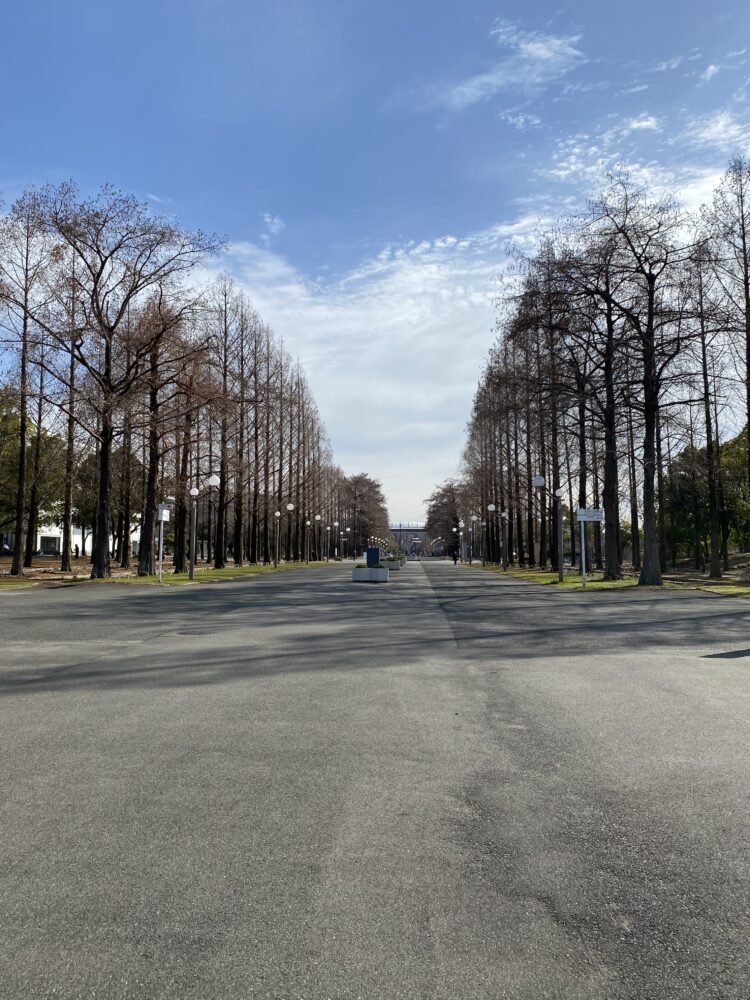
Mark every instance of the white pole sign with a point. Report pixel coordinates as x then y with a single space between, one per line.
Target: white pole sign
585 514
590 514
583 551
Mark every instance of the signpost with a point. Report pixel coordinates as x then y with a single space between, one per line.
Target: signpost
584 515
164 509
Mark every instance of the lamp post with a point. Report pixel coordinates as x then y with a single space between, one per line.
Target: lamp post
349 541
212 482
307 540
539 483
474 520
289 508
193 518
504 522
317 536
277 515
483 542
328 543
335 550
491 508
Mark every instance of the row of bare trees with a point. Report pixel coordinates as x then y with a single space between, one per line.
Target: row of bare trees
620 375
132 383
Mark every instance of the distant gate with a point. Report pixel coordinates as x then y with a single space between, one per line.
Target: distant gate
411 537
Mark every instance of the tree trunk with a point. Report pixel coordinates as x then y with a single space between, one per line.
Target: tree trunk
583 459
23 421
713 500
650 575
146 547
31 531
612 566
598 561
635 534
100 563
183 493
127 503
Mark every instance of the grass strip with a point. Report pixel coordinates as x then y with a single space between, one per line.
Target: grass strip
595 581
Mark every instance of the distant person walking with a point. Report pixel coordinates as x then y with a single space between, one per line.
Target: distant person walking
76 550
455 558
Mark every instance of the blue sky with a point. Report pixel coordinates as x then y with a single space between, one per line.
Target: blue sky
369 162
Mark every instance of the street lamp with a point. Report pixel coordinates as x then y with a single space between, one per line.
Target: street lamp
307 539
474 520
483 541
289 508
539 483
193 518
349 540
277 515
317 536
328 543
213 481
491 508
335 551
504 522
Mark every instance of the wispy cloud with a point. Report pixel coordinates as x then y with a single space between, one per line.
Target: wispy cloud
521 120
533 60
642 123
438 292
639 123
720 130
710 72
667 64
160 199
274 224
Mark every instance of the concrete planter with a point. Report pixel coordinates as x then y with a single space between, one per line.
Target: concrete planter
365 575
392 563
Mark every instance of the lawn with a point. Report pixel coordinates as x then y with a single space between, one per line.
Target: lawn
572 579
594 581
9 583
169 579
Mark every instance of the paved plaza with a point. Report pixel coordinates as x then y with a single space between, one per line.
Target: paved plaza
451 786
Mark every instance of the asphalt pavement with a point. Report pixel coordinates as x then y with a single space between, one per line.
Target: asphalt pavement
455 785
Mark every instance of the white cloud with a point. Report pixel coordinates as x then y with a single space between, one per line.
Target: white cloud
668 64
721 130
534 60
521 120
161 199
710 72
407 331
636 89
274 223
642 123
